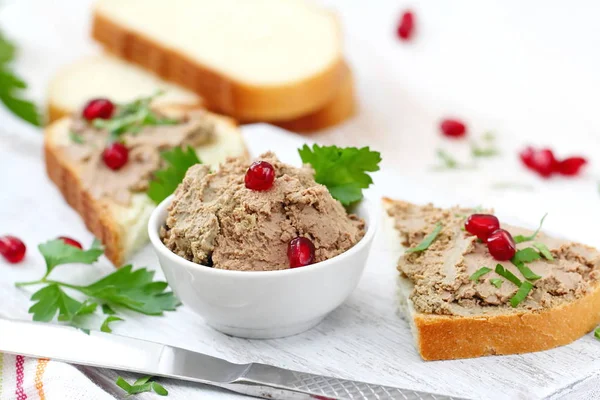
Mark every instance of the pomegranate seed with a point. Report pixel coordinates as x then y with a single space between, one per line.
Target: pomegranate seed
482 225
501 245
260 176
12 248
406 26
115 156
453 128
571 166
98 108
71 242
301 252
541 161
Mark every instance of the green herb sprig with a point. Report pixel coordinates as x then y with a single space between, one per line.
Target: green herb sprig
134 290
166 180
426 242
479 273
521 238
343 170
142 385
11 86
500 270
524 256
521 294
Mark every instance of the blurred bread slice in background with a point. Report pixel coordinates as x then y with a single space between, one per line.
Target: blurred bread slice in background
254 60
121 81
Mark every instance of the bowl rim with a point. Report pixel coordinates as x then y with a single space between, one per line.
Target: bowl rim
156 222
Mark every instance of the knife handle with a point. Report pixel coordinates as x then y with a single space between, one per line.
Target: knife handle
266 381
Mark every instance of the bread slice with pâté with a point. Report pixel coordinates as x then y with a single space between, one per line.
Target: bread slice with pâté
106 76
254 60
460 302
115 204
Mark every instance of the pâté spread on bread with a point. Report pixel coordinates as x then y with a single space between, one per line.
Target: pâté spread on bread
257 217
458 275
118 149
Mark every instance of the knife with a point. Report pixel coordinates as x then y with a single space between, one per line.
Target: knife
123 353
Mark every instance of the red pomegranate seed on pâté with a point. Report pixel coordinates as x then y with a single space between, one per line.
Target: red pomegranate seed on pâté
115 156
453 128
406 26
501 245
98 108
260 176
482 225
570 166
301 252
12 249
71 242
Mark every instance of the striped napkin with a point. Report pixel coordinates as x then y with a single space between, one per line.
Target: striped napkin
24 378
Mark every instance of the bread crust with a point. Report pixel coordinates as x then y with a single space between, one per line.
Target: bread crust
222 93
95 213
443 337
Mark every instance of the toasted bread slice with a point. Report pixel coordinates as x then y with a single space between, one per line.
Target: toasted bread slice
501 329
111 77
260 60
123 229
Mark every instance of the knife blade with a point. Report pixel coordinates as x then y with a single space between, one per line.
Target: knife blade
97 349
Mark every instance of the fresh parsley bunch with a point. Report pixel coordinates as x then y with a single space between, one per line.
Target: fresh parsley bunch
11 85
342 170
128 288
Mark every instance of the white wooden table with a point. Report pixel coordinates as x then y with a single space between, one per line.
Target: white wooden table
525 71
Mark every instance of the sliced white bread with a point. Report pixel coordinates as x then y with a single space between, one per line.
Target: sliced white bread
264 60
445 337
123 229
121 81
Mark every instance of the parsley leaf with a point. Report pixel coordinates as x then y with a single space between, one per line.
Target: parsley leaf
57 252
11 86
521 238
544 251
479 273
166 180
125 287
500 270
342 170
144 384
426 242
496 282
105 325
521 294
597 333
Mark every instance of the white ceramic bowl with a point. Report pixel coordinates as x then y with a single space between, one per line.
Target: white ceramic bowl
264 304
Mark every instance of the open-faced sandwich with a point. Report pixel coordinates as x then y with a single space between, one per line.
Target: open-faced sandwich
113 163
470 286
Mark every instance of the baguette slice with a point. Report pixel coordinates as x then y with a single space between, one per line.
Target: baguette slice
495 332
111 77
265 60
123 229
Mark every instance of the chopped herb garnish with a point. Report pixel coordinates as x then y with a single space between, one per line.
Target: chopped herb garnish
597 333
521 238
343 170
166 180
496 282
144 384
500 270
524 256
477 151
479 273
76 138
132 118
424 245
521 294
105 325
544 251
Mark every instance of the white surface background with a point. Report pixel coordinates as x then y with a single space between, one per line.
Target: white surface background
525 70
